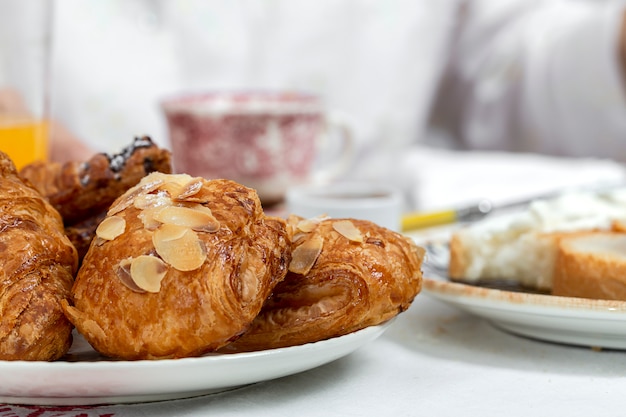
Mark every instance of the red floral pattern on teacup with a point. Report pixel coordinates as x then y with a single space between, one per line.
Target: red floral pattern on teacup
264 141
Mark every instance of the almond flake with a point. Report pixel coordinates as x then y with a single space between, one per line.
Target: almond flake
146 201
198 220
292 220
179 246
304 256
111 227
189 190
169 232
147 218
307 225
127 199
123 273
292 230
348 230
300 235
199 207
175 184
148 272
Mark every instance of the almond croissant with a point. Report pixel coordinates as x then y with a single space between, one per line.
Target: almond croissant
38 265
344 275
179 267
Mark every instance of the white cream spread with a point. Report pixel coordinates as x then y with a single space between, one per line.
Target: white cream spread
520 246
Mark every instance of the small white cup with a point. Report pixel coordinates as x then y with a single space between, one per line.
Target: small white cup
379 203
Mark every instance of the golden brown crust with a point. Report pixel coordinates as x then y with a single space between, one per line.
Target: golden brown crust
82 233
591 266
82 190
352 285
458 258
194 311
38 264
618 226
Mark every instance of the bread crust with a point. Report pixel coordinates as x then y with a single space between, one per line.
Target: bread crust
532 268
581 271
458 266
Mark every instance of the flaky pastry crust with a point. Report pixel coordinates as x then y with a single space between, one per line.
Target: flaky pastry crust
180 267
38 264
364 275
82 191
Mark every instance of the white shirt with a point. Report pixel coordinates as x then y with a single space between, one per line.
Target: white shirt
527 75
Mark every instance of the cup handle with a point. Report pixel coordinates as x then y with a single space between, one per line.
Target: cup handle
335 125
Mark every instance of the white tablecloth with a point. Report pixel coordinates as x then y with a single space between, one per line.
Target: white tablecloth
433 360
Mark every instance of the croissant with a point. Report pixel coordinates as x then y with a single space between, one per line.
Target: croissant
38 266
179 267
344 275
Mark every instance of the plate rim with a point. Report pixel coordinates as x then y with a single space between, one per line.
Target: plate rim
561 320
328 351
211 357
440 286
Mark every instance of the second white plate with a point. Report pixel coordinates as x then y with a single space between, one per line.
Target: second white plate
576 321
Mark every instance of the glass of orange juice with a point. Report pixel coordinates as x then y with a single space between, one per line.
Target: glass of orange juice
25 30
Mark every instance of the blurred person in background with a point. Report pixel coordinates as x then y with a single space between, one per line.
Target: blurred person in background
519 75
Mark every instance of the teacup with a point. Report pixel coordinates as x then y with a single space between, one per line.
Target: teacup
268 141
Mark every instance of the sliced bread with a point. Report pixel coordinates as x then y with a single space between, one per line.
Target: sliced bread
522 246
591 266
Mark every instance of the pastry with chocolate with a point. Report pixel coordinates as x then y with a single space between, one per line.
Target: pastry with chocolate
83 191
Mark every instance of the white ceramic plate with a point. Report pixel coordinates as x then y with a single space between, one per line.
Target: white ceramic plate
87 378
575 321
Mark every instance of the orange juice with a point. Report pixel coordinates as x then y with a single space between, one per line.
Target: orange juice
24 141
